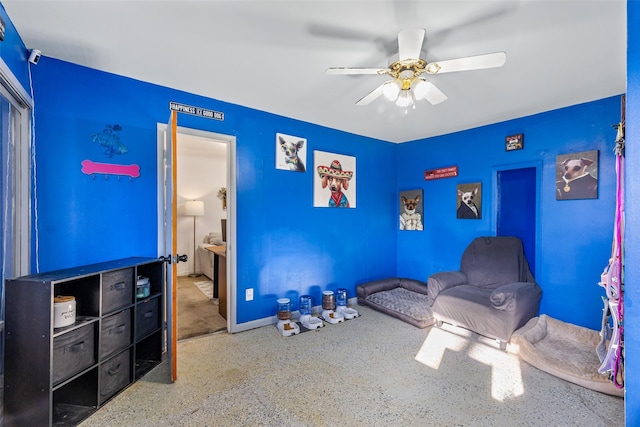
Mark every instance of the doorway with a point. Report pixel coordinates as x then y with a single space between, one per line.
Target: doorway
517 208
201 202
230 142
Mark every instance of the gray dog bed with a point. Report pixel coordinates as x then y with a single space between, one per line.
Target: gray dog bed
404 299
564 350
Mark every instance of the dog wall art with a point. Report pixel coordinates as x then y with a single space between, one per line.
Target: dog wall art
334 183
469 201
411 211
291 153
577 175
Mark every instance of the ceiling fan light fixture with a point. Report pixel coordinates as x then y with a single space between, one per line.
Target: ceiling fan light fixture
391 90
405 99
420 88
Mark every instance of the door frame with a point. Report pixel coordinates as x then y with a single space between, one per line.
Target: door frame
230 140
495 203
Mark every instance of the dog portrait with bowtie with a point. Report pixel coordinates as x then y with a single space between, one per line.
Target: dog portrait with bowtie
469 201
291 153
577 175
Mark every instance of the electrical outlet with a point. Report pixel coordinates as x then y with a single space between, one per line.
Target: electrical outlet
248 295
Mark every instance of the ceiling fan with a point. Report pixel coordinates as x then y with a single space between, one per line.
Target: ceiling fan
407 86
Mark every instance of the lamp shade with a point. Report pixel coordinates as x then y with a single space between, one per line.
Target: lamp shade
391 89
405 99
420 88
194 208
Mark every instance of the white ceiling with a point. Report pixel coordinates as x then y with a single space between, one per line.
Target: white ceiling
272 55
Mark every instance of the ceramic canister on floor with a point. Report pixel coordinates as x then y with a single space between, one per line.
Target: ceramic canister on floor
64 311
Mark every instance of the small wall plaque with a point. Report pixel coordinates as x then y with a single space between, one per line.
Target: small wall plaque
514 142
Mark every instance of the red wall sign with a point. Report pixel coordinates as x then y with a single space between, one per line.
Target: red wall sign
441 173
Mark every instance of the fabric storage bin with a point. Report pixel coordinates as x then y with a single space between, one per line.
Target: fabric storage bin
73 352
115 374
115 333
147 317
117 289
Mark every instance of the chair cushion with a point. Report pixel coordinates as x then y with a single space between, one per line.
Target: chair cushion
490 262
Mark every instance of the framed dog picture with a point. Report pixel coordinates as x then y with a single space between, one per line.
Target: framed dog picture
411 211
469 201
334 183
291 153
577 175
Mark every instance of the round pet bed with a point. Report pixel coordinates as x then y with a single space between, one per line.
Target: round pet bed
564 350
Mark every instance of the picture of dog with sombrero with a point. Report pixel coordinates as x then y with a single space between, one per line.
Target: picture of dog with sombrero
336 173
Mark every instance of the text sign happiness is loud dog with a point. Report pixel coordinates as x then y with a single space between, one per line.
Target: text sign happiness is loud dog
447 172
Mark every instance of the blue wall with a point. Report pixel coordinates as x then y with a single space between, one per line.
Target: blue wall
632 218
563 271
575 236
284 245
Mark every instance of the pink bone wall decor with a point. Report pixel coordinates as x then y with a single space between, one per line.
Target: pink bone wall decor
90 167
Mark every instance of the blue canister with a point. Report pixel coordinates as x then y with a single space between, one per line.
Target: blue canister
341 297
305 304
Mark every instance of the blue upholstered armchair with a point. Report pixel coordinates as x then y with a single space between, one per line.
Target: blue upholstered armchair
493 293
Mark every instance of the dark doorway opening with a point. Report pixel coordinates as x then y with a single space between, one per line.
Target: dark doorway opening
516 213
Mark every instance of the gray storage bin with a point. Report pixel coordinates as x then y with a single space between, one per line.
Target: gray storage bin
147 317
117 289
115 333
73 352
115 374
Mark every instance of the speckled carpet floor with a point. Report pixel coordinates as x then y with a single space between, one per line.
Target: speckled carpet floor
373 370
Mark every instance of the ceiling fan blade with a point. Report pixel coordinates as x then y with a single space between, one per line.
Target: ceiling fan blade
435 95
374 94
490 60
410 43
346 70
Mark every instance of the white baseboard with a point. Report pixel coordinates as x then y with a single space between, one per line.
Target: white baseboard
272 320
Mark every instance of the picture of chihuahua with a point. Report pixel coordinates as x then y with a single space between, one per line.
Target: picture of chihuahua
292 154
575 181
468 209
411 218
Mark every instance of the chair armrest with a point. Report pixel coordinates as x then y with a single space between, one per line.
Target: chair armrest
508 297
438 282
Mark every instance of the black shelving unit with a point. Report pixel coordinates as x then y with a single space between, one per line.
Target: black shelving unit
60 376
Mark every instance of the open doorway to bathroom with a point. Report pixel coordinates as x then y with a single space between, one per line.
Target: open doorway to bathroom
202 213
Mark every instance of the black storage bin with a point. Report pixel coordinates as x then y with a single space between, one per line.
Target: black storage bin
117 289
73 352
115 333
147 317
115 374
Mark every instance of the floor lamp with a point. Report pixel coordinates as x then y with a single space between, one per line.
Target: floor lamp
194 208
